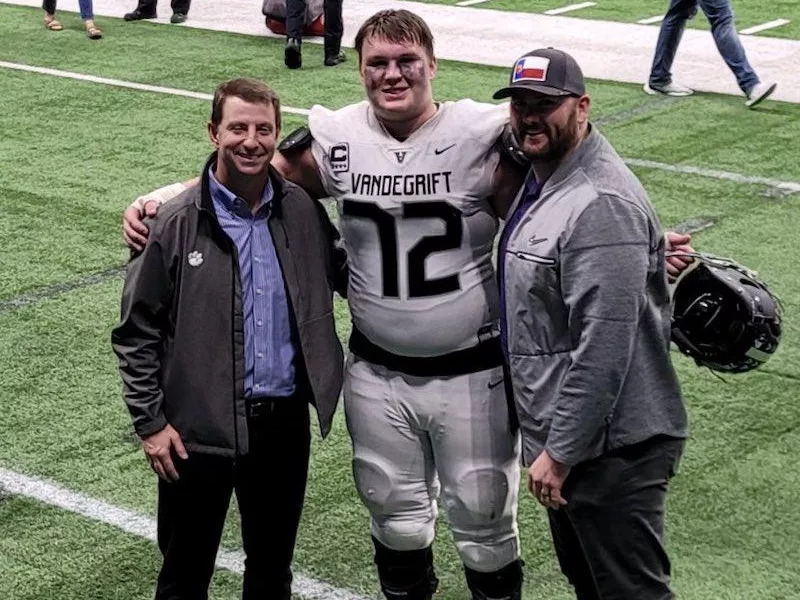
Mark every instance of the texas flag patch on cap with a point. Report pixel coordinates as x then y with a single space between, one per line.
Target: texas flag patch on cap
531 68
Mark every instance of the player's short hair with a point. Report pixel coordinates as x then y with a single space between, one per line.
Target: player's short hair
397 26
249 90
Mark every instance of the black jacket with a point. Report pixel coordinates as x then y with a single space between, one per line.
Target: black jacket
180 341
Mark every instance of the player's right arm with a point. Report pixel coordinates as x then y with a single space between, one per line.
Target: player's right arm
300 168
134 231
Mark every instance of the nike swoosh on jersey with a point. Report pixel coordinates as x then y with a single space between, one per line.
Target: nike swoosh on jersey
493 384
534 241
439 151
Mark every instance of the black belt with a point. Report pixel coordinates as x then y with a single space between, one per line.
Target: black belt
266 405
487 354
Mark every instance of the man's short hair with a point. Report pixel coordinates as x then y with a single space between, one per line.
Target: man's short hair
249 90
396 26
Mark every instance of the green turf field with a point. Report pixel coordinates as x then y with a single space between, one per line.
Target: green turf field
747 13
75 153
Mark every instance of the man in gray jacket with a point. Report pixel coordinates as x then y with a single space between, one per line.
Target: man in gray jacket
586 330
226 335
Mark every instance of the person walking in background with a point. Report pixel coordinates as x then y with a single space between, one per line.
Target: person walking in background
720 14
226 336
296 21
93 32
146 9
586 329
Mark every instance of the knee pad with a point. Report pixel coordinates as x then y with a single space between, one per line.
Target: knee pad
504 584
374 484
482 518
405 574
482 497
395 520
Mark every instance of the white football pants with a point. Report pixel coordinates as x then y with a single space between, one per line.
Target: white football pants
406 430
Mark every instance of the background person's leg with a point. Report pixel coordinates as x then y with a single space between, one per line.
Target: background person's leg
669 38
723 28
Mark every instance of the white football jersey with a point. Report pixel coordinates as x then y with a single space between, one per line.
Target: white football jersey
416 222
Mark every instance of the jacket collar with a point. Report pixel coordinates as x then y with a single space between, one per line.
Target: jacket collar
205 203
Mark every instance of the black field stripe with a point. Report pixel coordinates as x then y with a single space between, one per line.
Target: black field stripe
51 291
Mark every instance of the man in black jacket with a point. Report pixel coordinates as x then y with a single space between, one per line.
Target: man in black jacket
226 334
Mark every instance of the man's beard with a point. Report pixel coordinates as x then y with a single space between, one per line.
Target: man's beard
560 143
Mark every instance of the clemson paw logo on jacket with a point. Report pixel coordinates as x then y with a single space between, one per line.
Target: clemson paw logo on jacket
195 258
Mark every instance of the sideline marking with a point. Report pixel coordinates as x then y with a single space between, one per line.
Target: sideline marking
764 26
569 8
651 20
470 2
785 186
145 527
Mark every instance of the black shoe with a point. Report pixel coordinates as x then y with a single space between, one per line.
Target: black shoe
331 60
178 18
291 54
138 15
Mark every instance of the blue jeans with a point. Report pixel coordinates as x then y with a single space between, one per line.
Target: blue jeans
85 6
720 15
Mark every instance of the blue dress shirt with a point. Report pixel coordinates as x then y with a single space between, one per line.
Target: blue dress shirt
268 348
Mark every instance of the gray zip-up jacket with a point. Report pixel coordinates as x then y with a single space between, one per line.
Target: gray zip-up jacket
588 313
180 341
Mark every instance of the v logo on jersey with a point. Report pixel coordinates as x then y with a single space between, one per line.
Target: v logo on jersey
400 155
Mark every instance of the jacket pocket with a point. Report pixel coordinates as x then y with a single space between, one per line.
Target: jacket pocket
536 258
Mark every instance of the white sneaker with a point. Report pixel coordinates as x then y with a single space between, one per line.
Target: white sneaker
669 89
761 91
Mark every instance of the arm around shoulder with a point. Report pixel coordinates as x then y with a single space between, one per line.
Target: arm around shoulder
300 168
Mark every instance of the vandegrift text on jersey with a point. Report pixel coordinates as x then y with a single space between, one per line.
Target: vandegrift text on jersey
420 184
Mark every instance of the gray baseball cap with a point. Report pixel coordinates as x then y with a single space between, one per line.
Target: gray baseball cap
547 71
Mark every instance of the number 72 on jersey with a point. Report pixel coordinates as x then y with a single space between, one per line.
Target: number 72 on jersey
419 286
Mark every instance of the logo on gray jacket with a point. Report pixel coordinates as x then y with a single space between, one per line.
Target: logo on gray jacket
534 241
195 258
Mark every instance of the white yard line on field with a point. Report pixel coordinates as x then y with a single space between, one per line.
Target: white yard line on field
787 186
470 2
651 20
145 527
764 26
143 87
569 8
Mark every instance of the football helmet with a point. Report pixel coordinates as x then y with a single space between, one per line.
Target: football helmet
724 316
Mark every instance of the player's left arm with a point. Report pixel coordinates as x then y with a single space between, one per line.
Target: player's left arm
507 180
605 266
509 174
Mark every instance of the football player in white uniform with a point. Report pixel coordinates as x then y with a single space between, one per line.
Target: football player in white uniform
419 186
